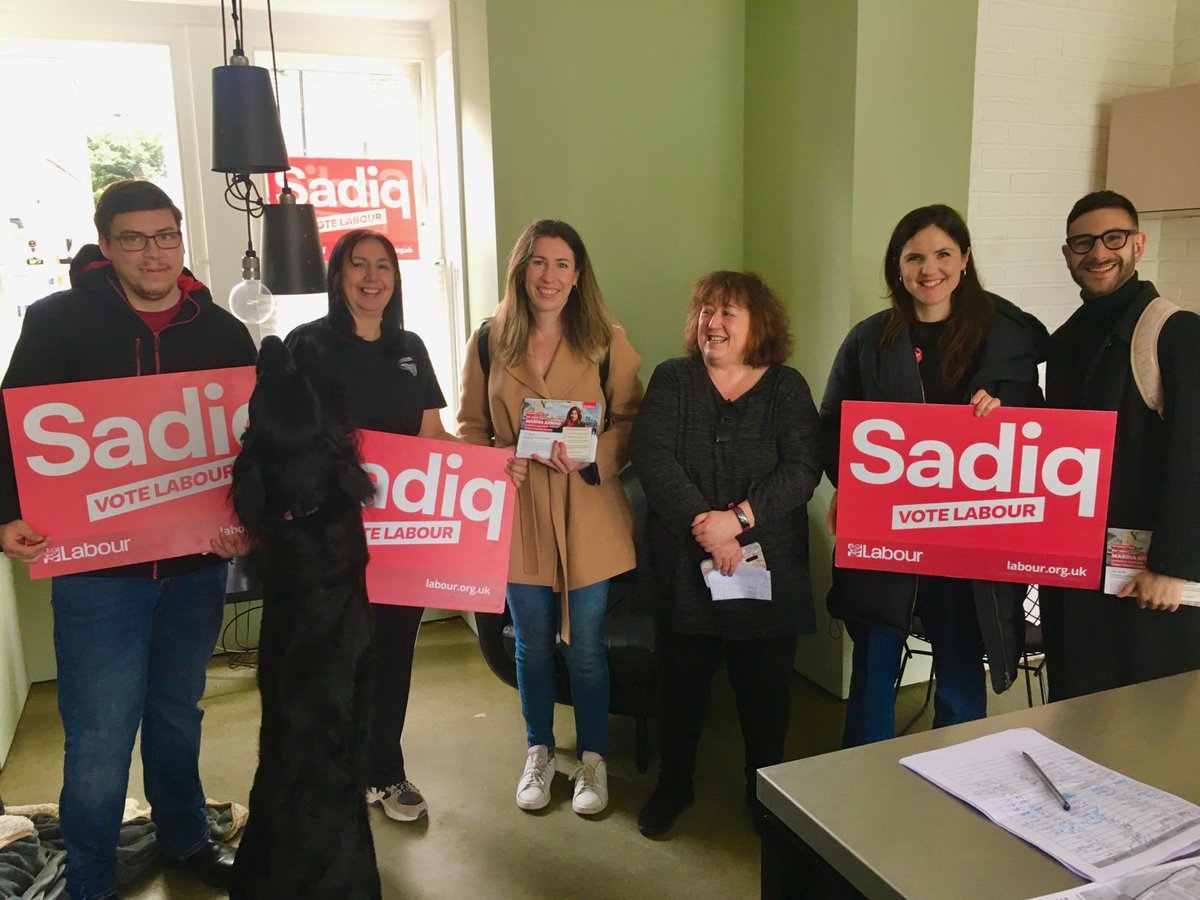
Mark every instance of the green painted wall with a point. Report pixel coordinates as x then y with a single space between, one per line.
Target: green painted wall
624 118
799 183
855 113
799 192
914 104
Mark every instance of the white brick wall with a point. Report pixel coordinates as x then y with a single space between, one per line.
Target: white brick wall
1046 73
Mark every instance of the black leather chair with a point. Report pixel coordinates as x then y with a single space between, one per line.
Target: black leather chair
628 637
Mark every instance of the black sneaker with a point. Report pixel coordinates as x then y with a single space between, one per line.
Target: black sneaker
663 808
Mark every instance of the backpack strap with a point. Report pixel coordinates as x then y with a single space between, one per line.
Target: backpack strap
604 390
1143 351
485 352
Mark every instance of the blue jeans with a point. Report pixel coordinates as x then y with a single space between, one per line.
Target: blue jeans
947 610
131 651
535 613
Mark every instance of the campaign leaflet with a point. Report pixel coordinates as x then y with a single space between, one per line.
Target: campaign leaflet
127 470
574 422
1020 495
1125 552
440 525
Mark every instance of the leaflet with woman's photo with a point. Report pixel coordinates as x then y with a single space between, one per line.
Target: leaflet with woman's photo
573 422
1125 552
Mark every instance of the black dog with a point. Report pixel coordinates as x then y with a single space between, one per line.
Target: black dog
298 488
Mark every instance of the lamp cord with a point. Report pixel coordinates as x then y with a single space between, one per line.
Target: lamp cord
238 46
241 193
275 74
224 37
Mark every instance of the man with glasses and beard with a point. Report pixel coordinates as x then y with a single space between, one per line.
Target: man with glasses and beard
132 643
1097 640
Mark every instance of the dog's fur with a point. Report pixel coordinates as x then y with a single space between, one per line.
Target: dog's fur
298 488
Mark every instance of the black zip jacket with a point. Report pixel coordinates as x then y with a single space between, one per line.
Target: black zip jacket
90 332
1006 366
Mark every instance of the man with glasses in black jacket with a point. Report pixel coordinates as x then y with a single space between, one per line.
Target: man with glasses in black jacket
132 643
1097 640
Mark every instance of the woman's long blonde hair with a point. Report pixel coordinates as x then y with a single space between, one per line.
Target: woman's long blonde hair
587 323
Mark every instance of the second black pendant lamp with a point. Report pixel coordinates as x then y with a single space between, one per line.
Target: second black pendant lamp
293 262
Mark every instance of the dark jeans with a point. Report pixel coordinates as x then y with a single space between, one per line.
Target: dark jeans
395 638
760 672
947 610
131 651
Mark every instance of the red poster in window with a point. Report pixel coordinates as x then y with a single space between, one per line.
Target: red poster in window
440 526
1020 495
127 470
355 193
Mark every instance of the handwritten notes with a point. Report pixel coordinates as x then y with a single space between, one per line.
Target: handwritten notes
1115 825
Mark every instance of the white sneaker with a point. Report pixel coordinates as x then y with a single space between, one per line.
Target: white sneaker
533 790
591 784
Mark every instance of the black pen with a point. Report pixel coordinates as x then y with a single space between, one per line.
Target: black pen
1046 780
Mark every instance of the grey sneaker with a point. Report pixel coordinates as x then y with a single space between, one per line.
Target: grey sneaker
402 802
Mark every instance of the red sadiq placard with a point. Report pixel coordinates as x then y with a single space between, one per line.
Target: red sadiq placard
1019 495
127 470
440 526
355 193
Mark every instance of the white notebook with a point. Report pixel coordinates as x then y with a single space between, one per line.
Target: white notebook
1115 825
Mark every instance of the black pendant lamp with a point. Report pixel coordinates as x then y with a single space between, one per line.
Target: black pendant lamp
248 140
247 137
293 262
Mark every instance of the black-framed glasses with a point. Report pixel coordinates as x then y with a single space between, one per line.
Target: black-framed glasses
727 422
1113 239
133 241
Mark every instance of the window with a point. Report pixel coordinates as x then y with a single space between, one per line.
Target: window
359 108
70 134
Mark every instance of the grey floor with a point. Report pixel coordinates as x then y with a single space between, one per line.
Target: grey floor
464 746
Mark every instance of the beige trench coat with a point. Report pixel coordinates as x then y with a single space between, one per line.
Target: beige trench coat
566 532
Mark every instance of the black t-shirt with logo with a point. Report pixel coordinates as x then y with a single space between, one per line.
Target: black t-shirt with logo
384 385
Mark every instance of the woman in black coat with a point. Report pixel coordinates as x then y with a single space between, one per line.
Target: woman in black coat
944 340
727 445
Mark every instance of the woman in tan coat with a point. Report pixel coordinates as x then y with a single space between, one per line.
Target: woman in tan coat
552 337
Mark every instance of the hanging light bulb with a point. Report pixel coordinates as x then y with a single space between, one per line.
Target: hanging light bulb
251 300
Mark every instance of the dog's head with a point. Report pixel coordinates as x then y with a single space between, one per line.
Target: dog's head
296 456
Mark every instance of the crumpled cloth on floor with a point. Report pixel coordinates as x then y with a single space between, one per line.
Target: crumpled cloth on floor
33 862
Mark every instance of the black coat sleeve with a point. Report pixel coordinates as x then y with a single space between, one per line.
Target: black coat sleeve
1008 368
1175 546
672 495
32 363
845 383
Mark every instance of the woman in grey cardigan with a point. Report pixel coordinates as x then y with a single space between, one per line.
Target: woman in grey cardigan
728 447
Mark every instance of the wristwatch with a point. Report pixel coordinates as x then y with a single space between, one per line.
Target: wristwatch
741 515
